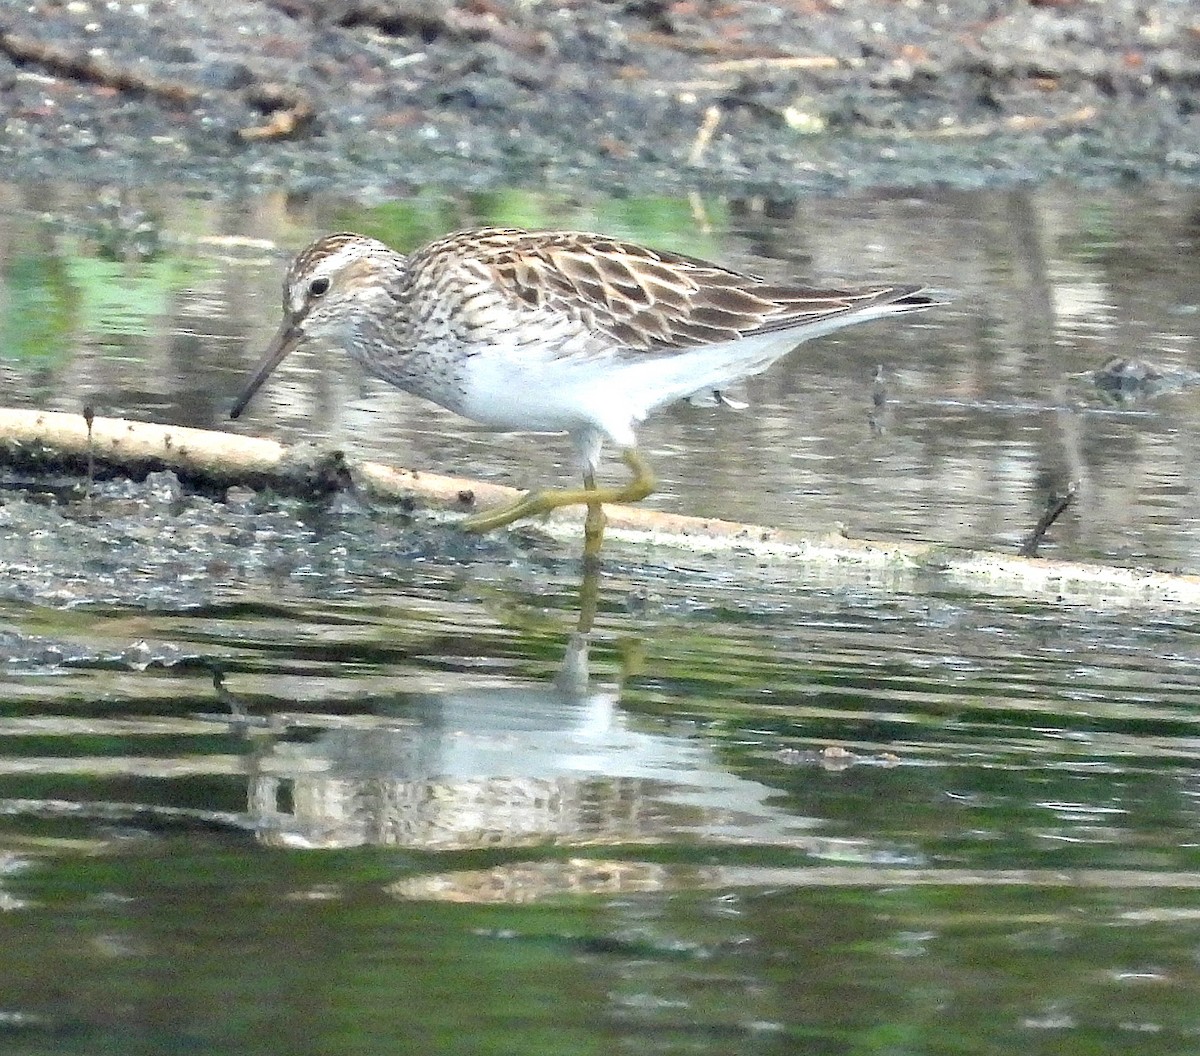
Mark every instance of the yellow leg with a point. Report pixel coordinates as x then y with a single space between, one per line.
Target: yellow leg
589 596
593 523
537 504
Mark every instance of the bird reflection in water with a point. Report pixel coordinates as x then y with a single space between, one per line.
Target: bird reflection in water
504 762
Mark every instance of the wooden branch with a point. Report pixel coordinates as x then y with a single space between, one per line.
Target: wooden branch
38 439
288 108
77 64
770 64
289 111
48 439
1015 124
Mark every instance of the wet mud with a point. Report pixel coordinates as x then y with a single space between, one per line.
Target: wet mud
376 97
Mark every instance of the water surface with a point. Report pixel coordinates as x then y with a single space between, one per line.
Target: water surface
978 419
278 776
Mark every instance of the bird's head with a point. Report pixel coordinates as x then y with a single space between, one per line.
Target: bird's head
328 288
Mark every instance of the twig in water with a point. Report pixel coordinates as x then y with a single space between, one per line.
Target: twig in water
879 398
89 415
704 135
240 720
1054 508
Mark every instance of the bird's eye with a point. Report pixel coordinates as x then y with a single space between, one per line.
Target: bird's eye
318 287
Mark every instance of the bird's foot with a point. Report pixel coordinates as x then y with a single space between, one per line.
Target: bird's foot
534 504
541 503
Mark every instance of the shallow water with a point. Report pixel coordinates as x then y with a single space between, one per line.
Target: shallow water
279 777
977 422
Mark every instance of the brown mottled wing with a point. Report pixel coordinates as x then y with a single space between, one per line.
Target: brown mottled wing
651 300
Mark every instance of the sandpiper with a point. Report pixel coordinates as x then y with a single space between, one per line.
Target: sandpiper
557 332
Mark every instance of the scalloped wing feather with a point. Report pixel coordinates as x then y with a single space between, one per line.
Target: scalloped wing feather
642 299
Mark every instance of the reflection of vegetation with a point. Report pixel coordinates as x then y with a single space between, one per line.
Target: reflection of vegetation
50 296
665 222
405 224
123 230
1093 236
117 298
40 304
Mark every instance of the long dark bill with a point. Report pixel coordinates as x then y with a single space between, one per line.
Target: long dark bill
282 343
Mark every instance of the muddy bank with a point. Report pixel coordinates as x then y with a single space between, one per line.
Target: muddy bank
380 96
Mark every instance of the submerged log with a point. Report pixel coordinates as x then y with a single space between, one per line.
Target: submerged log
44 440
